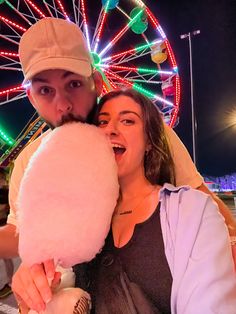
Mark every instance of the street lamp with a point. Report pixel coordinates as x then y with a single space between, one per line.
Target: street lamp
194 123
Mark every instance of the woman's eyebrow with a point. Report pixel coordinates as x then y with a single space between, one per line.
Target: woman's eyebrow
123 112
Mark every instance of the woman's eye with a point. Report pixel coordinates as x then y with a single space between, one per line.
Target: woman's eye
75 84
45 90
102 123
127 122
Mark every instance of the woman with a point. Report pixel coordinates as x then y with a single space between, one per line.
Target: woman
168 250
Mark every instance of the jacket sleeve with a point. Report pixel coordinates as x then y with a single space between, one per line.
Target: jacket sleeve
208 284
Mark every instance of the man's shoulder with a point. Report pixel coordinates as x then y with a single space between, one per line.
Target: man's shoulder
28 151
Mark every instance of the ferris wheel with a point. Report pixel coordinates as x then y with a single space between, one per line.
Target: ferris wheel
127 44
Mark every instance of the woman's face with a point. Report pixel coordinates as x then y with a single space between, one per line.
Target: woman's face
121 119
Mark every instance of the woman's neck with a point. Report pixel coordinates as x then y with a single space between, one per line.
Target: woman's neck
133 187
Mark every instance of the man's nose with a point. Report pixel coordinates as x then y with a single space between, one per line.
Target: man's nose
63 102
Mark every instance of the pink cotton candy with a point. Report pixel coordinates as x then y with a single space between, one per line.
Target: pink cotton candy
67 196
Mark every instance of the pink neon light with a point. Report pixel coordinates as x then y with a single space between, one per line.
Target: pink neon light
152 18
105 89
12 23
83 11
62 9
118 36
118 67
101 26
9 54
113 85
170 53
118 78
36 8
14 89
122 53
177 96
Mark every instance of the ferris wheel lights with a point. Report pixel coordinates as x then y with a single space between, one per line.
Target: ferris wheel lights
96 59
7 2
26 85
63 10
9 54
110 4
7 21
151 95
117 67
6 138
175 69
101 27
36 8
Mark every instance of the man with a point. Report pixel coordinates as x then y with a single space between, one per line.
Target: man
63 88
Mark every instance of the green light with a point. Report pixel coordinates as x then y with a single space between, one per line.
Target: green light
8 3
2 1
96 58
151 71
6 138
139 48
143 91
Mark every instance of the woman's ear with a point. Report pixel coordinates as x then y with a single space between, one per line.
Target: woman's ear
98 80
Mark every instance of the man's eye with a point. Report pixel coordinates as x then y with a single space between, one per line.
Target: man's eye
45 90
102 123
75 84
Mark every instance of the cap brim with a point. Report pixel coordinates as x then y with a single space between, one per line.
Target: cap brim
81 67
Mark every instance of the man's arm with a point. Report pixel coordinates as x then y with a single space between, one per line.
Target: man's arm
187 174
8 237
8 241
225 211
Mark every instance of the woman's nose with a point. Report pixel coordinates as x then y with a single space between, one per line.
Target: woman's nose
111 129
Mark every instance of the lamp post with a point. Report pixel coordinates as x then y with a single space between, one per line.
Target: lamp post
194 123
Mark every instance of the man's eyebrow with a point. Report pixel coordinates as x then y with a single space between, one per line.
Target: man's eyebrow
39 79
45 80
123 112
68 73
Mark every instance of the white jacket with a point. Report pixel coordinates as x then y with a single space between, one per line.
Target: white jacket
198 251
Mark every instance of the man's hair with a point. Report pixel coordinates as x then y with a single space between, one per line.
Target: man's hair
158 162
53 43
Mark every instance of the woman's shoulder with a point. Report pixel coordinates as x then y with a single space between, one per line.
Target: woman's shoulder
186 199
183 191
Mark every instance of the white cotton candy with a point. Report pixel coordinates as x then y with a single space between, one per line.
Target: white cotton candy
67 196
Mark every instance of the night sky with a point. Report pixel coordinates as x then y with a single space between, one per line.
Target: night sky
214 73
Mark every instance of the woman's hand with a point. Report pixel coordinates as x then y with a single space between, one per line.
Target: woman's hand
32 285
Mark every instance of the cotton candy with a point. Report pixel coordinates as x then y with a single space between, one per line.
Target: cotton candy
67 196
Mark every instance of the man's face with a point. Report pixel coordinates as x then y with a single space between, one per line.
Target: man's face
60 96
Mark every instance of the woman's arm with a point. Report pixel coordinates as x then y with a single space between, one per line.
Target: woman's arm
209 282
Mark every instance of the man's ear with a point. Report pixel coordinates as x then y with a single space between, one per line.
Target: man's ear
98 80
31 99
